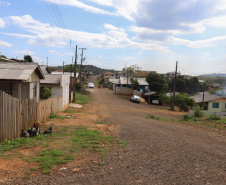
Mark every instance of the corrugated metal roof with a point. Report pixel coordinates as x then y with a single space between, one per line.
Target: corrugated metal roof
114 81
142 81
207 98
150 93
51 79
18 71
65 73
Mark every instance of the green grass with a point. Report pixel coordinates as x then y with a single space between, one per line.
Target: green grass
71 142
99 122
152 116
212 121
81 98
69 111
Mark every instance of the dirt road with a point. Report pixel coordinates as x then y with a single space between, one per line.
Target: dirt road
158 152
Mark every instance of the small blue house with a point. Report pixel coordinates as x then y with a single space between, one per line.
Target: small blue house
143 84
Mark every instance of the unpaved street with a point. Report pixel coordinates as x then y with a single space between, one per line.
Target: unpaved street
158 152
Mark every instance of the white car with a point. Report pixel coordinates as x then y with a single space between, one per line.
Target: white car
90 85
135 99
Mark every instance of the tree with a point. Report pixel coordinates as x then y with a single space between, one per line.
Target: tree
163 98
180 84
183 102
135 84
68 68
27 58
157 82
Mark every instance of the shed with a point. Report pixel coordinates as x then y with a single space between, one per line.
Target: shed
21 79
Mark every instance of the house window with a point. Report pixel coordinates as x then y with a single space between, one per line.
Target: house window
215 105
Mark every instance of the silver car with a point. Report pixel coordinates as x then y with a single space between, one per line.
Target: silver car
135 99
90 85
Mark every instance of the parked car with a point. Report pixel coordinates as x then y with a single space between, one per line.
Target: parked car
155 102
90 85
135 99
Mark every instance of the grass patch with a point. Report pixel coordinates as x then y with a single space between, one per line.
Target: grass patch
99 122
81 98
152 116
69 111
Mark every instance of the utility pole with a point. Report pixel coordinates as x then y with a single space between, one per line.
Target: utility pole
71 66
63 67
47 61
174 88
81 63
203 95
74 89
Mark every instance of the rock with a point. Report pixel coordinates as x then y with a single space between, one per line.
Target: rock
63 168
76 170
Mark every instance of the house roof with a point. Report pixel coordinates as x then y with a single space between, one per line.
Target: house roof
45 69
19 70
142 81
51 79
65 73
207 98
114 81
150 93
109 73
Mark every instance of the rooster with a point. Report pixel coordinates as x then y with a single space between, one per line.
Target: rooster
48 131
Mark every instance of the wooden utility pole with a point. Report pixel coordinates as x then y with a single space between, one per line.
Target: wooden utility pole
75 80
47 61
81 63
174 88
63 67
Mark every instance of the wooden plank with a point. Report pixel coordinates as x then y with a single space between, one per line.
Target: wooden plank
1 116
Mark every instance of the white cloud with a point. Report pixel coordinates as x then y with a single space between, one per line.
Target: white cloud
18 35
139 52
5 44
111 27
45 35
51 51
25 52
83 6
35 58
69 54
212 42
2 23
5 3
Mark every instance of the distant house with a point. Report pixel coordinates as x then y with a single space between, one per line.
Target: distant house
21 79
59 85
212 103
71 77
110 75
170 75
143 84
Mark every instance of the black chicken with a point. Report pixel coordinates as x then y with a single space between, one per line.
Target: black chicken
48 131
30 132
35 131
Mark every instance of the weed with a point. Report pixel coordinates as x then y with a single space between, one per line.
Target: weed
101 163
99 122
198 112
33 168
186 117
152 116
81 98
125 143
69 111
213 117
69 158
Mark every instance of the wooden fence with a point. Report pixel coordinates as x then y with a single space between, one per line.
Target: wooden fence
16 115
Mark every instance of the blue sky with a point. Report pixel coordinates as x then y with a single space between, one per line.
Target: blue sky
153 34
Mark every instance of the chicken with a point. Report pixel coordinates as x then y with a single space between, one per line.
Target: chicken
30 132
48 131
35 131
24 133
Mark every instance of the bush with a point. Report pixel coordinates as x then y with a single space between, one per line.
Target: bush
198 113
186 117
164 99
47 93
78 86
183 102
214 117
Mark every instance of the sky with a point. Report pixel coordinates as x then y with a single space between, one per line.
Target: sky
152 34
